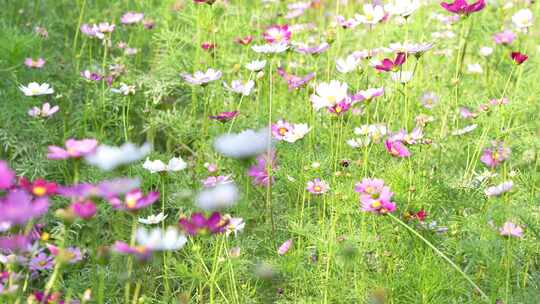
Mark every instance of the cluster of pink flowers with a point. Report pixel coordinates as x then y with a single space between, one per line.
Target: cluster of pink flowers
375 196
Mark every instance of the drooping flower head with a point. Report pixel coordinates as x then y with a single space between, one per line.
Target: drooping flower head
260 173
518 57
224 116
396 148
388 64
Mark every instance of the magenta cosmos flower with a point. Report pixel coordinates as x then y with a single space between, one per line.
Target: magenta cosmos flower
396 148
83 209
259 172
317 186
244 40
134 200
199 224
141 253
518 57
293 81
277 34
13 243
388 64
7 176
495 155
39 187
375 197
505 37
74 149
18 207
224 116
461 7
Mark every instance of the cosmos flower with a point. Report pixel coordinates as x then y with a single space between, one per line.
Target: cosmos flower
83 209
34 64
461 7
317 186
73 149
244 40
108 157
235 224
224 116
245 144
133 200
208 46
213 181
18 207
71 255
372 14
518 57
499 189
328 95
280 129
349 64
511 230
293 81
91 76
39 187
221 196
131 18
347 23
277 34
429 100
159 240
256 65
41 262
199 224
412 48
202 78
240 87
45 111
523 19
474 68
153 219
317 49
296 133
397 149
505 37
104 189
464 130
408 138
270 48
260 172
403 8
402 77
485 51
375 197
285 247
7 176
157 166
124 89
388 64
495 155
15 243
368 94
140 252
36 89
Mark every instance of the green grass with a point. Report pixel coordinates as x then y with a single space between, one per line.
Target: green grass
339 254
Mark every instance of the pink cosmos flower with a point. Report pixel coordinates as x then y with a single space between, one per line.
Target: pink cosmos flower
317 186
208 46
142 253
74 149
461 7
45 111
512 230
368 94
38 187
92 76
518 57
347 23
388 65
495 155
277 34
375 197
18 207
293 81
280 129
224 116
259 172
244 40
7 176
83 209
313 50
213 181
34 64
397 148
505 37
199 224
134 200
284 248
131 18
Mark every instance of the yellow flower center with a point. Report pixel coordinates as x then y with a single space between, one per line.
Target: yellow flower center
45 236
376 204
338 109
317 188
39 191
131 202
282 131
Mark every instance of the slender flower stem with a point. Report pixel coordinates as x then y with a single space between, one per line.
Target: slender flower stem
130 261
442 255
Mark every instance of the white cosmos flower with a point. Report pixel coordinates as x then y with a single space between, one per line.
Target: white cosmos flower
153 219
201 78
218 197
523 18
108 157
256 65
297 132
270 48
159 240
474 68
348 64
245 144
499 189
36 89
486 51
329 94
239 87
402 8
403 76
236 225
372 14
174 164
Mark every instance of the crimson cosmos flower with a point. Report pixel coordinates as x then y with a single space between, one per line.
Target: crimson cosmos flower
461 7
518 57
388 65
